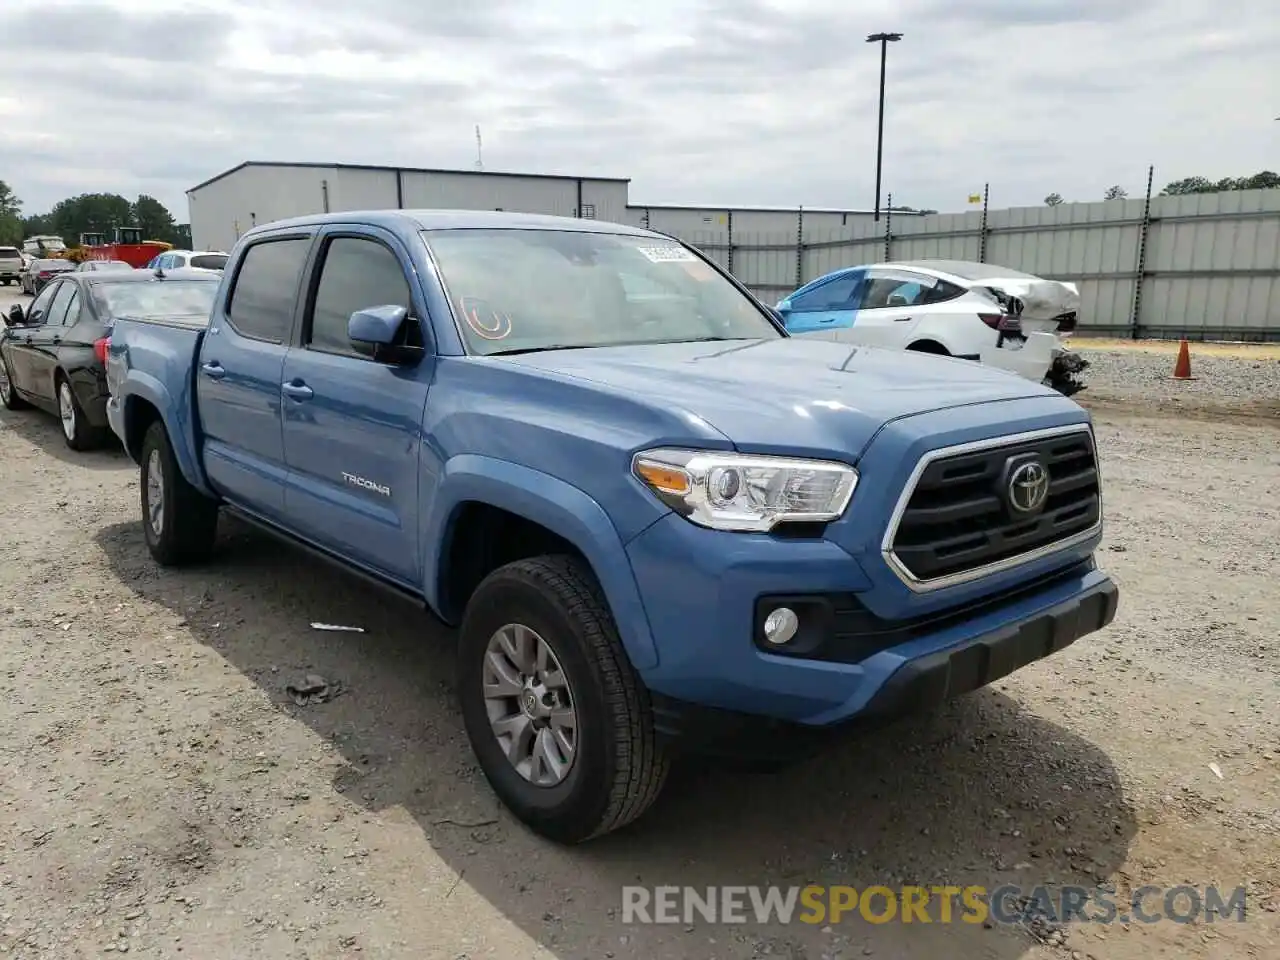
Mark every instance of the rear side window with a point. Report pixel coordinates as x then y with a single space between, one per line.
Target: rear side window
61 300
357 274
266 288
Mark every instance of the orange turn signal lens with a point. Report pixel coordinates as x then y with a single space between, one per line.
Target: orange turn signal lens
663 478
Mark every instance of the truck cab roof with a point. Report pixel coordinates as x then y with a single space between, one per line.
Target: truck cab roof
455 220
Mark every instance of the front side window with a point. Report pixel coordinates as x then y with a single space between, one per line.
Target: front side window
40 305
522 290
357 274
266 288
832 295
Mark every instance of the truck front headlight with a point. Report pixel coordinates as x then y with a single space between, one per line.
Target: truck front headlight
731 491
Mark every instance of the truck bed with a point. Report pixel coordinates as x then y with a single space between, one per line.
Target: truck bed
153 362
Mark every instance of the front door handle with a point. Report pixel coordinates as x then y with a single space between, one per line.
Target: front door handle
297 390
213 370
901 319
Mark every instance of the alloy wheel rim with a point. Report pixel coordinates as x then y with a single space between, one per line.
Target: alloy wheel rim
530 705
5 386
155 493
67 410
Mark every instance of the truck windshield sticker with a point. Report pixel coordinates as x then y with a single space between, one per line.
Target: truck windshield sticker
484 320
668 255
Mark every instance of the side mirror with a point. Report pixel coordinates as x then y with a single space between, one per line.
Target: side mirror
15 317
387 334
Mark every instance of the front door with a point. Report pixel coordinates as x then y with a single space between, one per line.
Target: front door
238 375
352 425
824 306
21 340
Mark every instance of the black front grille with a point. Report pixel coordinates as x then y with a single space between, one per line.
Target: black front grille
959 517
1066 322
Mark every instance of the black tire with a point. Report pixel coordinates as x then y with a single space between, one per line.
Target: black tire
619 767
8 394
78 434
188 522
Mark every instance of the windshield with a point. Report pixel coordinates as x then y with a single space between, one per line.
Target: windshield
209 261
515 290
155 300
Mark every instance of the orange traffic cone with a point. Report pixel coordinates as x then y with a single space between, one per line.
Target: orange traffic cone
1182 366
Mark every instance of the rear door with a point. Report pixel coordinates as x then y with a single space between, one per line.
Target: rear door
352 424
239 369
826 306
889 306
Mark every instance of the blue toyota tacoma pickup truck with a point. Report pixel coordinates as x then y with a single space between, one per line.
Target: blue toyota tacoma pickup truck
659 523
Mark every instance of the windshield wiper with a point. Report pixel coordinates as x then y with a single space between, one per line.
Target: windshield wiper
551 346
616 343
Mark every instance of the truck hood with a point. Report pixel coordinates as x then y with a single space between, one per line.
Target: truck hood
791 395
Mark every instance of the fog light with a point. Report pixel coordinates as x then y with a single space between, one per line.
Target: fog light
781 625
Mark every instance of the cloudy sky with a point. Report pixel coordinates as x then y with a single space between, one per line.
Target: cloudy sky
698 101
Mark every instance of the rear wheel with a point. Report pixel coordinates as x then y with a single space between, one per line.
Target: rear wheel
75 425
559 722
179 523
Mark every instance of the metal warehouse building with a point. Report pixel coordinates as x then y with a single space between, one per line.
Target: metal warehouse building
685 221
225 206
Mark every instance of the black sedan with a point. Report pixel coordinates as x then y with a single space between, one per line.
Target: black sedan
53 354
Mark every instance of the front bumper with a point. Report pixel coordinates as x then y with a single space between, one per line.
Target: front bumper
918 685
701 588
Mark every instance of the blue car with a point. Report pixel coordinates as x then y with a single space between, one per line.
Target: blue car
659 523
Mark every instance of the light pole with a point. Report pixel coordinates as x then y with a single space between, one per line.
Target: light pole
884 39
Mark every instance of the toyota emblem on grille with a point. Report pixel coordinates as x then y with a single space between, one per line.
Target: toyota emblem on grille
1028 487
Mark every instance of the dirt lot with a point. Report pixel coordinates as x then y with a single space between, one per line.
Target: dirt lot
163 795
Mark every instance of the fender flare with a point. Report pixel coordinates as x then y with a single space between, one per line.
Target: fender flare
143 386
560 507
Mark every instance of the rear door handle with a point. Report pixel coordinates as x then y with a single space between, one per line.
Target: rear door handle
901 319
213 370
297 390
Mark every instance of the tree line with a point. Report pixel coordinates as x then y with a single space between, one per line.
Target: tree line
1266 180
89 213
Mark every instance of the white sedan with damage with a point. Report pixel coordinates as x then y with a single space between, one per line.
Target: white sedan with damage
974 311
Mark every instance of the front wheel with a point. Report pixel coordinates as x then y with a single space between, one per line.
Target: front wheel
558 719
8 393
179 523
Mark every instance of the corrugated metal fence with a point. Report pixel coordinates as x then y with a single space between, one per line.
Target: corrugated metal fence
1203 266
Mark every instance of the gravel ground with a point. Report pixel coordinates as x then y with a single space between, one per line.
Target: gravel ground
1141 379
163 796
